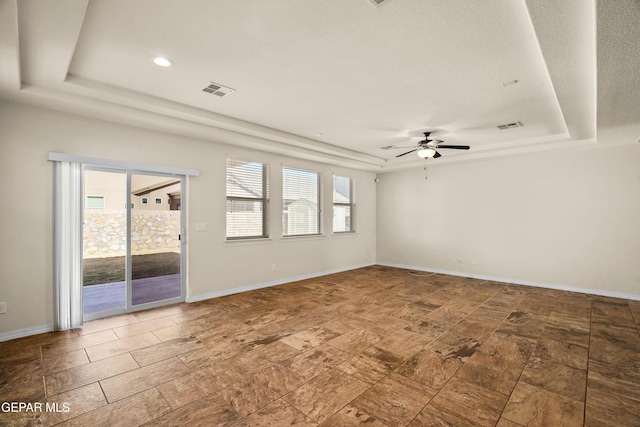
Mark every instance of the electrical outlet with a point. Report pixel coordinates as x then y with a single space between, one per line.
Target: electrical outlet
3 307
474 261
458 260
273 267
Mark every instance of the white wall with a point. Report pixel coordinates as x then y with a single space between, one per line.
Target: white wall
563 218
28 133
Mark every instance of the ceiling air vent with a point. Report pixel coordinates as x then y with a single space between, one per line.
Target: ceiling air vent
218 89
377 3
510 126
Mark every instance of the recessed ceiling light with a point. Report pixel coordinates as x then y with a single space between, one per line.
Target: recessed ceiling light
161 61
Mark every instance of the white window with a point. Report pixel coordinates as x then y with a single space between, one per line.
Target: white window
343 205
301 202
95 202
247 200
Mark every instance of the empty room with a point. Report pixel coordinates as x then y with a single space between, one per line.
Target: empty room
320 213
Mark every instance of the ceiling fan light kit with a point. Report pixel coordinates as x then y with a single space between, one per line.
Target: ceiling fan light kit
426 153
162 61
427 148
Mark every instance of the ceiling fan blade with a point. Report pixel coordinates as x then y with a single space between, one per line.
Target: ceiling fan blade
435 156
400 155
455 147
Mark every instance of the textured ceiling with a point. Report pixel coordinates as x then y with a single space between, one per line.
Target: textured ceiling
332 80
618 62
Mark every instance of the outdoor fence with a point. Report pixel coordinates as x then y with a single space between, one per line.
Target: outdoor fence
104 232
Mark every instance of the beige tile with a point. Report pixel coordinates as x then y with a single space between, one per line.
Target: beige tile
326 394
476 327
460 399
403 343
454 346
356 340
395 400
430 368
259 389
503 302
310 338
362 347
164 350
71 404
181 330
350 416
23 382
142 327
211 410
371 365
445 317
608 409
556 377
89 373
132 382
503 422
532 406
613 380
510 349
157 313
522 324
279 413
565 353
313 362
108 323
447 417
78 342
491 373
18 353
131 411
124 345
55 362
189 388
428 328
566 331
211 354
371 311
615 346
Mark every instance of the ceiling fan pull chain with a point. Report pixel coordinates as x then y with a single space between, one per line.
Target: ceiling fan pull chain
425 168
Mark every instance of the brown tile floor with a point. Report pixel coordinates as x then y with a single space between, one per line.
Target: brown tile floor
373 346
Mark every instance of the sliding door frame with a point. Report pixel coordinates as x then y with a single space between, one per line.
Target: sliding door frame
129 307
181 237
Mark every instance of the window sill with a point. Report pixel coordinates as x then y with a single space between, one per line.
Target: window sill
345 234
242 242
304 237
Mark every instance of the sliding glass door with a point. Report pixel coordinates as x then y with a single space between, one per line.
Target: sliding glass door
132 246
155 238
104 240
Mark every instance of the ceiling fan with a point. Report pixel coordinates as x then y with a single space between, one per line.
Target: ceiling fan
429 147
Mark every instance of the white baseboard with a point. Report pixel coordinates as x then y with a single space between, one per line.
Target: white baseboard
21 333
248 288
599 292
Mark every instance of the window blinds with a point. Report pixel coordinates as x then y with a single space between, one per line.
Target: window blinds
302 202
343 205
247 199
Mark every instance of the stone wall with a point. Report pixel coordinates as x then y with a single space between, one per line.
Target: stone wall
104 232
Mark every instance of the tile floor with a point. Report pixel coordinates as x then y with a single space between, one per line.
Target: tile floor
374 346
